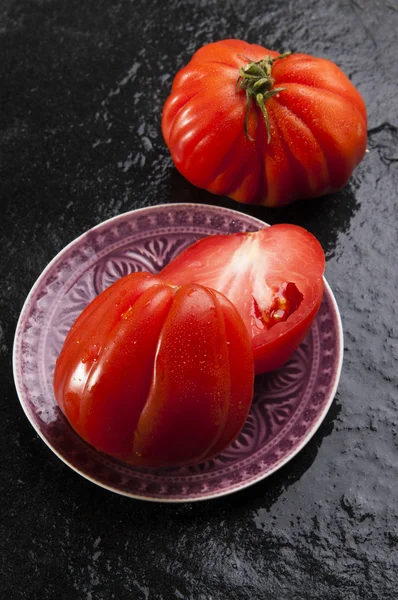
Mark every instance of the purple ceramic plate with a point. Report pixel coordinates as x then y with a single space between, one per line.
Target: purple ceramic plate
289 404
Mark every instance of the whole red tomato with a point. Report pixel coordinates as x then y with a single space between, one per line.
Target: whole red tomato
245 122
156 375
274 277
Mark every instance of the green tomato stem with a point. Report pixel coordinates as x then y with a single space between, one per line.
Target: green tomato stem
256 80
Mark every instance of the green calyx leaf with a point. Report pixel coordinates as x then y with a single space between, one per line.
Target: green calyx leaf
256 80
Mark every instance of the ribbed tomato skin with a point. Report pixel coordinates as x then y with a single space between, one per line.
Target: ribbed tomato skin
156 375
318 126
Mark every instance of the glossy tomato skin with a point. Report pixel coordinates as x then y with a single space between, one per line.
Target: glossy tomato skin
318 126
156 375
253 270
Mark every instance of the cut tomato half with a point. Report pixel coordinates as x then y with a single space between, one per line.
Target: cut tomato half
274 277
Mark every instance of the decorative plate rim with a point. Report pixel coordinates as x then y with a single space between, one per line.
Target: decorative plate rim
233 487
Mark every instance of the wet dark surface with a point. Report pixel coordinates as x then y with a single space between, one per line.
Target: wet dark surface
82 88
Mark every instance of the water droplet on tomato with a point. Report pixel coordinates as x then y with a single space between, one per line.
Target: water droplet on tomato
90 354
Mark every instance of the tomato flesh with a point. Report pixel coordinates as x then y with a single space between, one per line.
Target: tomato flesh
274 277
156 375
285 301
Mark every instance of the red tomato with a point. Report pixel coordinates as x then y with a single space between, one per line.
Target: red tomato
156 375
274 277
215 124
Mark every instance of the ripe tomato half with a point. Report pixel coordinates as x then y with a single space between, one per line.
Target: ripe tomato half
156 375
274 277
245 122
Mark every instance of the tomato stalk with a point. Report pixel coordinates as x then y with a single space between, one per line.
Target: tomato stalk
256 80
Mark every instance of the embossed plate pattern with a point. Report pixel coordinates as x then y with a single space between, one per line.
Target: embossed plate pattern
289 404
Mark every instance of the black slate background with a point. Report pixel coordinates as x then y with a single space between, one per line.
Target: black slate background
82 84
